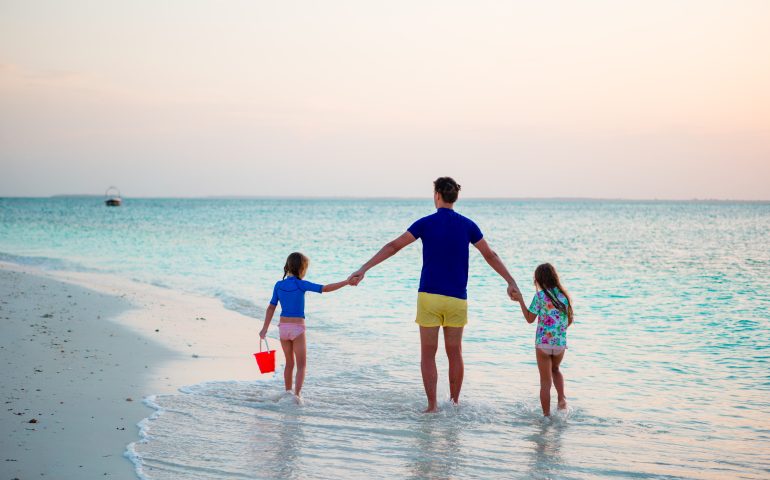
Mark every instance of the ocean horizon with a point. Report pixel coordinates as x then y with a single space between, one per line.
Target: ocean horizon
395 198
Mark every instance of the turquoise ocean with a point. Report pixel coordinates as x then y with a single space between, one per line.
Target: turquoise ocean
667 372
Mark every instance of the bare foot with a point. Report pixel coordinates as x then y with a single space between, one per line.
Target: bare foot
431 409
563 404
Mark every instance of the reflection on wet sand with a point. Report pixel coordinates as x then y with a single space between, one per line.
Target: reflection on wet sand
438 449
546 451
290 440
276 445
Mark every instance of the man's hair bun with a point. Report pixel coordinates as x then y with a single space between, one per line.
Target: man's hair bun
448 189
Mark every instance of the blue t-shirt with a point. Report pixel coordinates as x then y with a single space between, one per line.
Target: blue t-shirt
445 238
291 293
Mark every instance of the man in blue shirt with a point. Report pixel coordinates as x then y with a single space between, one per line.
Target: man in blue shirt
442 297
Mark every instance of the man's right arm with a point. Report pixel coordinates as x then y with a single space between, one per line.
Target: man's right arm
497 265
387 251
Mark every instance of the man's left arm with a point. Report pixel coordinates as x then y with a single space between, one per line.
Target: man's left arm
494 261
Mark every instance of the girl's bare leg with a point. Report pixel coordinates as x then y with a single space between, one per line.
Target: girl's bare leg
544 367
288 352
300 353
558 380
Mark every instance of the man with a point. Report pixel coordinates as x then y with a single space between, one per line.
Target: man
442 297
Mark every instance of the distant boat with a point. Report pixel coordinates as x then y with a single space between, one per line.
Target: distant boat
112 197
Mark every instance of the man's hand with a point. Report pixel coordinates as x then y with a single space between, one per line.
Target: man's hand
514 293
355 278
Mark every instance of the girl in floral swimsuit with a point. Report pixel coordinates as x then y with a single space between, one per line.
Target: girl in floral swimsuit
552 307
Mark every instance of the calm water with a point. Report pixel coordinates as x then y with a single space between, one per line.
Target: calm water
667 371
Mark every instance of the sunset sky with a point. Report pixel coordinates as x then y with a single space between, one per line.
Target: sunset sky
633 99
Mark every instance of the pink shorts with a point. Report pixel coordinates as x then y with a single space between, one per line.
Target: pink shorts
551 349
290 331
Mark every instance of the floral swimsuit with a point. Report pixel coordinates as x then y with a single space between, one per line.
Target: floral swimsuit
551 322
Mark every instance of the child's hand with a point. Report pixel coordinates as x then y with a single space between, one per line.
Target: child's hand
517 296
262 334
356 277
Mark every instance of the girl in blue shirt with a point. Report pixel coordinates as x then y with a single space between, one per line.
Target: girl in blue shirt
290 293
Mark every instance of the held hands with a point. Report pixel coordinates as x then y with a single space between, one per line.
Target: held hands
514 293
355 278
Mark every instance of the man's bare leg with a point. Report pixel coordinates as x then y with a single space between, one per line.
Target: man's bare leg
428 348
453 342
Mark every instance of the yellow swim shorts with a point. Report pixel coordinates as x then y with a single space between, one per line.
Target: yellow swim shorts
435 310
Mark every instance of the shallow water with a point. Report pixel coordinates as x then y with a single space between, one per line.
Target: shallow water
667 369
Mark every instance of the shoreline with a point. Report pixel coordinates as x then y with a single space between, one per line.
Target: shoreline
81 351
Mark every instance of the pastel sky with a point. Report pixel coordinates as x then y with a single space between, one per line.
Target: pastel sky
614 99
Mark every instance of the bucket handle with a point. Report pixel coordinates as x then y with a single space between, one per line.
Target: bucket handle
266 344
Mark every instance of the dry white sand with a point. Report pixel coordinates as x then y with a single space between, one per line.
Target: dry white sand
80 351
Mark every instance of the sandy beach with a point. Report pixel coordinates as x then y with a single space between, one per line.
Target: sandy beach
81 351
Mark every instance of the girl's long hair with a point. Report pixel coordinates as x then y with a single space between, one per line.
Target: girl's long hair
296 264
548 279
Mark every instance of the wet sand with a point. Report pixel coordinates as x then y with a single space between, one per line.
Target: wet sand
79 353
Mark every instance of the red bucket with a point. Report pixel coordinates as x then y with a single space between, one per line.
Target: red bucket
266 359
